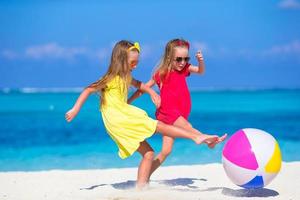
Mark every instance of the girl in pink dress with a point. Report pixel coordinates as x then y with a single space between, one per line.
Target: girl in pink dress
170 77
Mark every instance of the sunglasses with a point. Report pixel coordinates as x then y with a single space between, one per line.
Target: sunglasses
180 59
133 63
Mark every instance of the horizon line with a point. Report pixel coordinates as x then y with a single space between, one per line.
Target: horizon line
28 90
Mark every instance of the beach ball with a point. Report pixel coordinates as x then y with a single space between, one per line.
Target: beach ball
251 158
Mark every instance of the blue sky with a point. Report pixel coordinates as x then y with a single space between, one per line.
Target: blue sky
246 44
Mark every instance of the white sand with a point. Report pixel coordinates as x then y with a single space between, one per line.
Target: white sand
176 182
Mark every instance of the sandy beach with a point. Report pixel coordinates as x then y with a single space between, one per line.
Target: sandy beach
173 182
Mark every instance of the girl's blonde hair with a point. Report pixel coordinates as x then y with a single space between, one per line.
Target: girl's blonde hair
165 65
118 67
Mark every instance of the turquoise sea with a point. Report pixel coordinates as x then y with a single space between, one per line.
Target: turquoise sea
35 136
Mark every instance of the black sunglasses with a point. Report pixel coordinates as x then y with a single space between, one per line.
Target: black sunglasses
180 59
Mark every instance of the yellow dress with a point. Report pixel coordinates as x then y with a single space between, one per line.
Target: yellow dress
126 124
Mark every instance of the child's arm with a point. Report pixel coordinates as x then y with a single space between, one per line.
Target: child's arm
147 88
139 93
81 99
201 66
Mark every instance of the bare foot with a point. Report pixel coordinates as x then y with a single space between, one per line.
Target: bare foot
208 139
220 139
141 186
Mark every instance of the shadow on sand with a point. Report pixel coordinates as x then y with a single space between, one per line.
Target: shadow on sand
188 183
262 192
120 186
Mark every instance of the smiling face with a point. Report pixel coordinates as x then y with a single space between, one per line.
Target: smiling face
180 58
133 59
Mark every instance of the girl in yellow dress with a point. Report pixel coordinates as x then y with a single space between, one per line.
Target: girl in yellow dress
128 125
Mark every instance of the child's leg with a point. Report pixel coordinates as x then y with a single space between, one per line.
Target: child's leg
166 150
173 131
145 166
168 142
183 123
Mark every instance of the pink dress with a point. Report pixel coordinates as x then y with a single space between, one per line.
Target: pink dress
175 96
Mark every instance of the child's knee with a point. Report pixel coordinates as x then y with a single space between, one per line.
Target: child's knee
149 155
189 125
160 126
166 152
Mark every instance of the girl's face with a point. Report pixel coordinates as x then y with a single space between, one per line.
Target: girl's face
180 58
133 59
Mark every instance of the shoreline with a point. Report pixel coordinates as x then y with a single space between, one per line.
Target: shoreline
77 90
207 181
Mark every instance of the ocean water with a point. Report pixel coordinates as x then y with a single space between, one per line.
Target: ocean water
35 136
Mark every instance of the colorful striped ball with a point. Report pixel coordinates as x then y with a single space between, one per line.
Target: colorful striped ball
251 158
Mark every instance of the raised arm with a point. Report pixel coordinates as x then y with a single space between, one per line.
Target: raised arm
80 101
145 88
201 66
138 92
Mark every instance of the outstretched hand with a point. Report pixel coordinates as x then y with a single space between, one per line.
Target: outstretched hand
199 56
70 114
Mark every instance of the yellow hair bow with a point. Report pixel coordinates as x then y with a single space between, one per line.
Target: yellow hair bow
136 45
